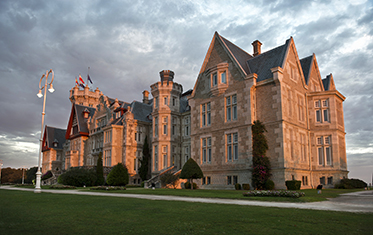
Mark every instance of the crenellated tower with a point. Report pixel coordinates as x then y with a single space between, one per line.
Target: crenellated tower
166 122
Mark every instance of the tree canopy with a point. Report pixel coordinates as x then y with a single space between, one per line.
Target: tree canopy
144 170
118 176
191 171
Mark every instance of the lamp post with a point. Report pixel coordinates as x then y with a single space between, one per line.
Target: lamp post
51 90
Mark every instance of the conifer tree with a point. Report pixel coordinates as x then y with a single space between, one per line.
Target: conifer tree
144 170
100 171
261 164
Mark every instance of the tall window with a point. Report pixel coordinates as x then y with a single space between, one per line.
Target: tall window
107 157
324 151
231 108
206 150
232 146
173 126
300 108
322 111
206 114
303 147
156 102
214 79
186 151
165 120
165 100
223 77
155 157
304 180
156 126
164 153
107 136
186 127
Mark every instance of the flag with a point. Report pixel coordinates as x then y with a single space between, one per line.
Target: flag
76 81
89 79
80 79
81 85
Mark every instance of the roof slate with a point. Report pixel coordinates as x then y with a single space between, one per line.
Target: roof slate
52 134
306 64
263 63
141 111
82 122
326 83
240 55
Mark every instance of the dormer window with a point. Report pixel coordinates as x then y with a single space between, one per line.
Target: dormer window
55 143
86 113
219 78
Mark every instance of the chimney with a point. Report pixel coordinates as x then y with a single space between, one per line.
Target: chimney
145 97
256 46
166 75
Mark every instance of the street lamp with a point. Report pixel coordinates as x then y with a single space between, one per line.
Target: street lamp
51 90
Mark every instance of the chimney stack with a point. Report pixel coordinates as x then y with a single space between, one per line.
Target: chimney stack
145 97
256 45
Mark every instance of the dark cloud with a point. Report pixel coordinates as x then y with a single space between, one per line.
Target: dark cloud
127 43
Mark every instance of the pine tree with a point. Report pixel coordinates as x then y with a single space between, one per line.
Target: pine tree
261 164
100 171
191 171
144 170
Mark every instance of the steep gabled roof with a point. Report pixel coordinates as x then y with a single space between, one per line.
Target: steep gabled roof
306 67
141 111
328 83
238 54
263 63
77 111
53 135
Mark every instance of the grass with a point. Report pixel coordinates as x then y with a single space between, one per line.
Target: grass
29 213
311 194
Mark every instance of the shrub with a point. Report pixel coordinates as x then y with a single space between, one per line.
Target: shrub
293 184
237 186
268 193
246 186
169 179
269 185
47 175
78 177
59 186
350 184
108 188
191 171
118 176
187 185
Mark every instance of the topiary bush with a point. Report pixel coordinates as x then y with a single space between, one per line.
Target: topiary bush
246 186
188 185
169 180
293 184
350 184
269 185
118 176
78 177
237 186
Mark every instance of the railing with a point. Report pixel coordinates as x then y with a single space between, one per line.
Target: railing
156 180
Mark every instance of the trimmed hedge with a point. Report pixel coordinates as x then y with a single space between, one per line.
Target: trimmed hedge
78 177
293 184
269 185
237 186
187 185
246 186
268 193
118 176
350 184
47 175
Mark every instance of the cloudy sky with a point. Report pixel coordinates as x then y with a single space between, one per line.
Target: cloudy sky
127 43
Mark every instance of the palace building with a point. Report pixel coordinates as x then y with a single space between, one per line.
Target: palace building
302 112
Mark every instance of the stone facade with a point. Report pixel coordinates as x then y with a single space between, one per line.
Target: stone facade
302 112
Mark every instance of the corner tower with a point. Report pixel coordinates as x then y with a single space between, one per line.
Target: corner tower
166 122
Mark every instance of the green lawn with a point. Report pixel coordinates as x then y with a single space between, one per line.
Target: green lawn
29 213
311 194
